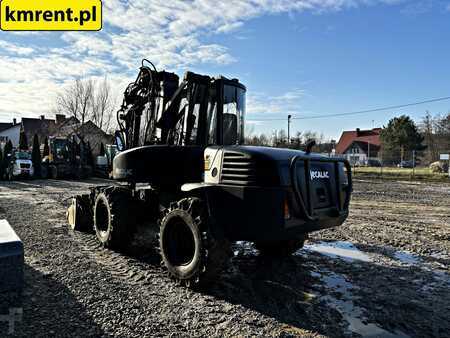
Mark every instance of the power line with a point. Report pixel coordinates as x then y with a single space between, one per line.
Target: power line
357 112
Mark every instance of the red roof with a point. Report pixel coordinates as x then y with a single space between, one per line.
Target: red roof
365 136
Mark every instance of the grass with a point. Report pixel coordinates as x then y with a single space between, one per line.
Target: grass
400 173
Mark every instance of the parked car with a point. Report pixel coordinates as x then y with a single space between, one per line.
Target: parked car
19 165
374 162
406 164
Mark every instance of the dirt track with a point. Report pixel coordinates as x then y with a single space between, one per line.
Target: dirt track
385 272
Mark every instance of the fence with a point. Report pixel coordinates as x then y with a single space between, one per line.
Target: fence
408 166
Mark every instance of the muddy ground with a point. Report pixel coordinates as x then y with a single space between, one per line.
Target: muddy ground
384 273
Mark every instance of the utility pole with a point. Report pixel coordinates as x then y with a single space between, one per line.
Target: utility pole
289 129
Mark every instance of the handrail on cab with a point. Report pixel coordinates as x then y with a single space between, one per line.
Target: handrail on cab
308 210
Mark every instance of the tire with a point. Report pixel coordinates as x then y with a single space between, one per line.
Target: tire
114 222
280 248
53 172
188 250
79 214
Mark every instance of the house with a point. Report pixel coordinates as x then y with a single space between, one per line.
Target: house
60 126
4 126
88 131
359 145
30 126
9 131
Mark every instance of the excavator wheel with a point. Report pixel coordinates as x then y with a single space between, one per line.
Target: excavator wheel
79 214
280 248
53 172
114 221
192 256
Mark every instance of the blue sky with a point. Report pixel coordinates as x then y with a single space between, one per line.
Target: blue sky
304 57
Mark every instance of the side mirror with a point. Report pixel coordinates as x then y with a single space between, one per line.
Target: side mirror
119 141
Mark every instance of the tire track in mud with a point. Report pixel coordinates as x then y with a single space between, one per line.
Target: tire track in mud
144 273
128 269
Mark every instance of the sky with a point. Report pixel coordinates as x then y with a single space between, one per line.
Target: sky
299 57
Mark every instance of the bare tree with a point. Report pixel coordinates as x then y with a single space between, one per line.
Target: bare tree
103 105
86 99
427 127
76 99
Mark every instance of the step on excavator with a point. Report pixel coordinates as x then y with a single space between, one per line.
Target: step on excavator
183 168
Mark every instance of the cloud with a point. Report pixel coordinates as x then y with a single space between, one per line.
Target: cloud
418 8
15 49
175 35
287 103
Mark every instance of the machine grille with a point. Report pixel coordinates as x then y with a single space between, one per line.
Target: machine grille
25 165
238 169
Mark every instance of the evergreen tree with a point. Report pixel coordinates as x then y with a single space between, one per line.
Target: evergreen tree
6 150
400 138
102 149
23 142
90 156
46 148
36 156
1 163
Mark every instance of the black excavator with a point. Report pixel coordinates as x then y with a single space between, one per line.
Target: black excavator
183 167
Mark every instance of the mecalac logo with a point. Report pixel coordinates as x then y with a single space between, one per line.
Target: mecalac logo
316 174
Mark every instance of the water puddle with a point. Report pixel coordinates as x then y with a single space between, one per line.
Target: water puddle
406 258
339 249
352 314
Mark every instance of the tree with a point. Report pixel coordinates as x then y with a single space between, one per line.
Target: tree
442 128
23 142
103 106
76 99
36 156
400 136
1 163
102 149
86 99
46 151
7 150
427 128
89 155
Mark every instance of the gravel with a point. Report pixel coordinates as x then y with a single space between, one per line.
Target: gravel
74 288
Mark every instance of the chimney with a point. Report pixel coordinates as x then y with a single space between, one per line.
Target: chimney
358 131
60 118
14 121
42 117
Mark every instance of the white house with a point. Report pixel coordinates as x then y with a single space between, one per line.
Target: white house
12 133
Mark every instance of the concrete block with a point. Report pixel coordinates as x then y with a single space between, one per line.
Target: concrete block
11 259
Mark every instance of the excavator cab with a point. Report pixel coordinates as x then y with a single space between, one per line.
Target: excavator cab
200 111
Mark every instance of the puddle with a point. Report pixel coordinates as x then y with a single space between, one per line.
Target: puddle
244 248
406 257
352 314
343 250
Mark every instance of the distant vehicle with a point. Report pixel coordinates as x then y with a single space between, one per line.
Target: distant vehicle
368 163
66 159
19 165
374 163
406 164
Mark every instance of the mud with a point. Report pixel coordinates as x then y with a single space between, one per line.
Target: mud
385 273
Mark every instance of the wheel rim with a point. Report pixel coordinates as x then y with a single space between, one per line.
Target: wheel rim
101 217
179 242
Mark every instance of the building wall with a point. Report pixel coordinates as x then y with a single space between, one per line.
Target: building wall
12 134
